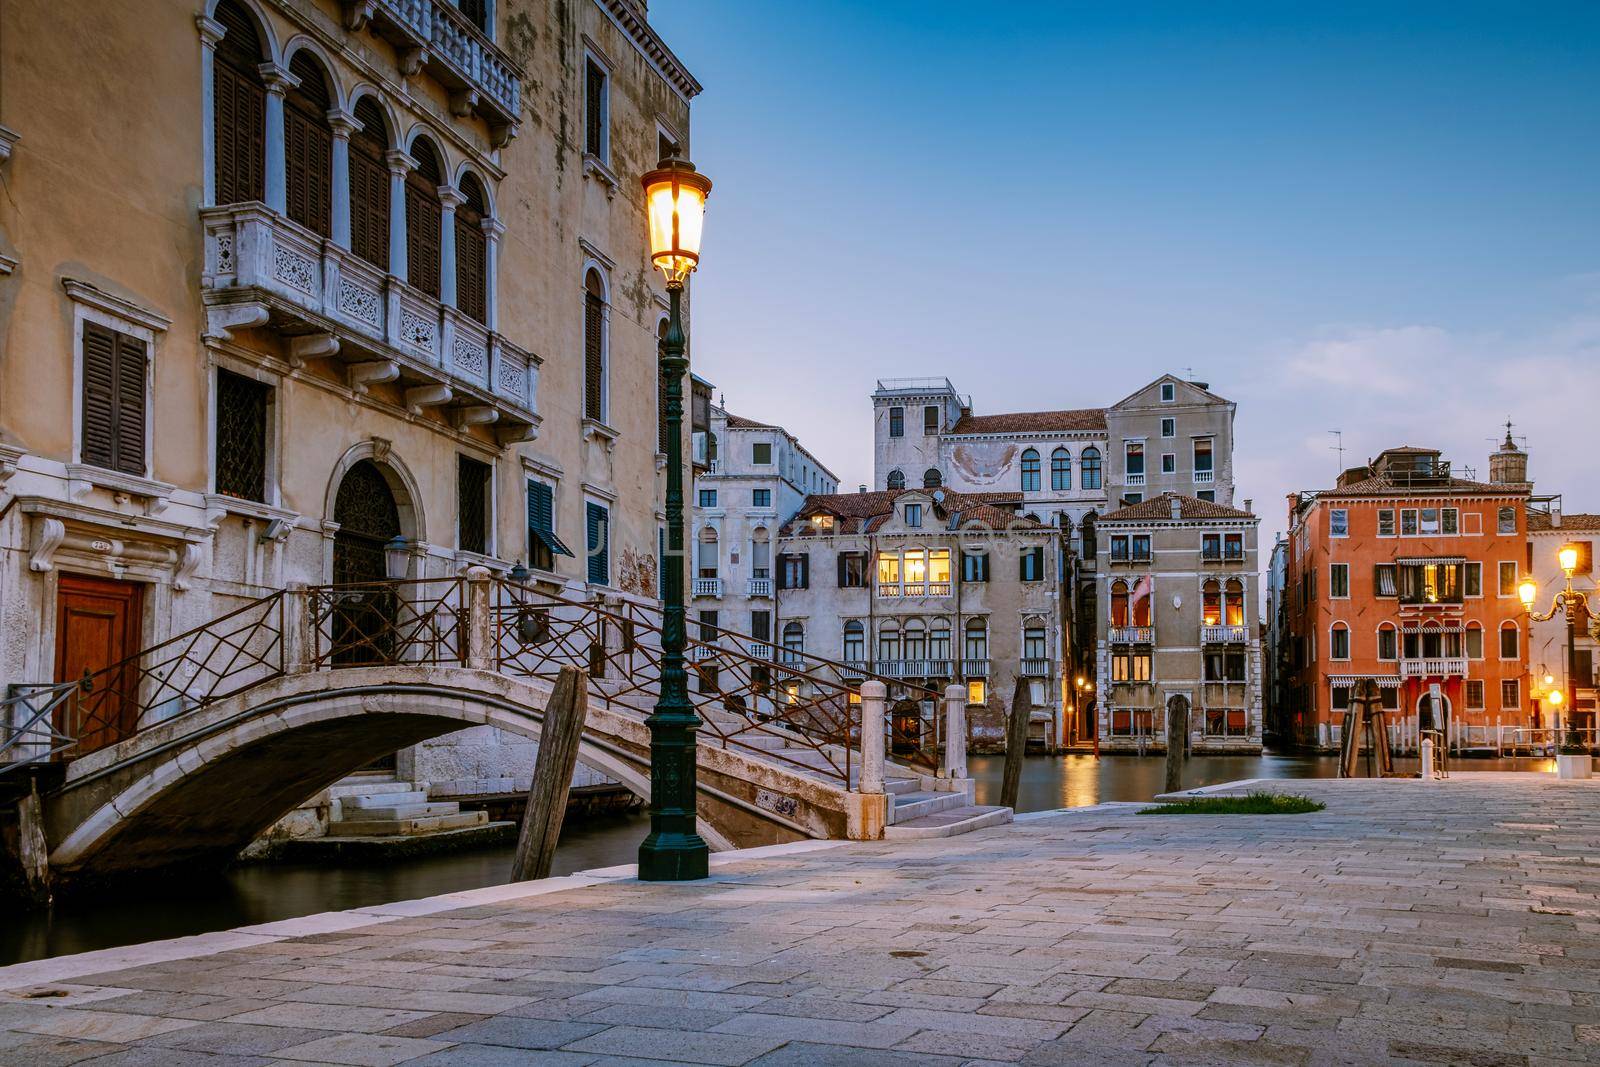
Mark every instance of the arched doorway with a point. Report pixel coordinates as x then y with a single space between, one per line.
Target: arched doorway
1434 716
368 518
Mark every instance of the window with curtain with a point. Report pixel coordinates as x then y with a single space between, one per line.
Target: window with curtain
760 553
1235 612
1119 603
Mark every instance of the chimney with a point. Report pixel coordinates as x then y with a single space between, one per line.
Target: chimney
861 489
1555 514
1247 507
1177 506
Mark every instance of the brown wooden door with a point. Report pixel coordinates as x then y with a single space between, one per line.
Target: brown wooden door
97 625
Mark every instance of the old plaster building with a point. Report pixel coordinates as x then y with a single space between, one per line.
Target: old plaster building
1178 580
932 586
757 481
1406 574
287 283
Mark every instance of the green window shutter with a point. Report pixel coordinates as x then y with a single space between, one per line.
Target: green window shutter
598 542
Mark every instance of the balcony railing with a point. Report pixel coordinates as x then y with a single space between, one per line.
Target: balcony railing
1035 668
1133 479
915 668
1133 635
917 589
1203 477
708 587
435 33
262 268
759 587
1446 667
975 668
1224 635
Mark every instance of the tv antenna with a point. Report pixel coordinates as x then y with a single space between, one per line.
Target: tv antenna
1338 446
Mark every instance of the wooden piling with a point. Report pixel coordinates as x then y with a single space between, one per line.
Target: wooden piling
1177 741
552 775
1016 744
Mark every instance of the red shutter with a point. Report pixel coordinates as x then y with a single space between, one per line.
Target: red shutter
99 394
593 358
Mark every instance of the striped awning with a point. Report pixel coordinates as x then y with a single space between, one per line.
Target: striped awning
1422 561
1385 681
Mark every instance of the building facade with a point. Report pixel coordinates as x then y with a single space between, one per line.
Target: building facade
757 480
323 279
1548 531
1407 575
930 586
1178 581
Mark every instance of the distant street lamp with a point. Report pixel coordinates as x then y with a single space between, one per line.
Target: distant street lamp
1574 604
675 203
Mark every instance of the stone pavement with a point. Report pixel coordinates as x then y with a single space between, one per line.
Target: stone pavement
1452 923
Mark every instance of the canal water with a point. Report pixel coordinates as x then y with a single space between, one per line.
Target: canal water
262 893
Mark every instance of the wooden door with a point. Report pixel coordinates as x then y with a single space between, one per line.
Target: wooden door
97 625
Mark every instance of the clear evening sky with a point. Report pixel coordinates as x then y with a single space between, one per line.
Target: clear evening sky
1382 219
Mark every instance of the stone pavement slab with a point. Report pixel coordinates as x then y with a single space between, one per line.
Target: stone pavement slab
1406 924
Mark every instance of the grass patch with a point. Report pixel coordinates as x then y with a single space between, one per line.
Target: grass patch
1261 803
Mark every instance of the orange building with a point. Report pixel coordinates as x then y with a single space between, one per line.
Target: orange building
1407 575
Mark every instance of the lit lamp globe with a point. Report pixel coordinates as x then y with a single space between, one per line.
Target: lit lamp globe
1568 555
1528 590
675 202
1555 698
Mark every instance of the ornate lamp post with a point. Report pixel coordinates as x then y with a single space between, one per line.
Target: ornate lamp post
1576 606
675 203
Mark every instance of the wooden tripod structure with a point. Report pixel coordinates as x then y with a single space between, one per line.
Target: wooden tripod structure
1365 720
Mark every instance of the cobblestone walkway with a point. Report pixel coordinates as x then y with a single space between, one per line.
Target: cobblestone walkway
1457 923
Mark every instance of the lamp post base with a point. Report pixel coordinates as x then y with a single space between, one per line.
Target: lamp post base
673 857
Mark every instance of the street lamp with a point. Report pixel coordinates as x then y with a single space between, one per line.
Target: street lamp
1573 604
675 203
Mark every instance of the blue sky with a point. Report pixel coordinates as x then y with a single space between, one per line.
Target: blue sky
1383 219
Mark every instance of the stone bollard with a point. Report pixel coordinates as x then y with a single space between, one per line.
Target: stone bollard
299 630
480 621
874 698
1426 751
955 731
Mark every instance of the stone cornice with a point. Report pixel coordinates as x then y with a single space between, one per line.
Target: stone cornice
632 22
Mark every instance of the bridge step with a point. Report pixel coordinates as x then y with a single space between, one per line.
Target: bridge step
948 823
909 807
398 827
398 798
423 810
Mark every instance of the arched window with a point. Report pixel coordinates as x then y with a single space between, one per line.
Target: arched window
760 553
794 639
1141 602
1474 637
1510 641
888 642
594 346
239 108
424 217
1211 603
1030 470
915 640
1119 603
1388 644
1086 535
1235 610
939 640
369 185
472 251
308 146
855 641
1089 468
896 480
1060 469
1339 641
708 553
976 643
931 478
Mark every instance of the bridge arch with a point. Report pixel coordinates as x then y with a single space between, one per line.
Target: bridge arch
197 789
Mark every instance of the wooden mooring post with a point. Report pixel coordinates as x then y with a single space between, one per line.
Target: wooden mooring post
552 775
1016 744
1177 741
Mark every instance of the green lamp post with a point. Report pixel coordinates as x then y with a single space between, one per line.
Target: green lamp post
675 203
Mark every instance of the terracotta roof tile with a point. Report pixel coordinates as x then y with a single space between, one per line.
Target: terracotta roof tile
739 422
1160 507
1033 421
866 512
1577 521
1383 485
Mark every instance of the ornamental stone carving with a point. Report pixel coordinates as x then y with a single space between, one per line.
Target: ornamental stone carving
359 303
470 356
293 269
416 331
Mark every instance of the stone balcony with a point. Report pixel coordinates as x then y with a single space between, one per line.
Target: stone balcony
1445 667
264 270
915 668
1224 635
1133 635
1035 668
711 587
434 35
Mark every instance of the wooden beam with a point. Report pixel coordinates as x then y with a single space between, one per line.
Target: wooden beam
552 775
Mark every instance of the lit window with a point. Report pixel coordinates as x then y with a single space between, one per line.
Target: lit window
977 691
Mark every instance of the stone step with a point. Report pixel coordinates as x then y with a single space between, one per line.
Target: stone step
364 787
397 798
423 810
908 807
949 823
900 786
401 827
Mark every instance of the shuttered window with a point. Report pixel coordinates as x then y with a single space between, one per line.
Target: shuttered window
472 252
239 109
424 216
369 186
241 435
477 13
112 433
598 531
594 368
472 505
543 544
308 147
594 109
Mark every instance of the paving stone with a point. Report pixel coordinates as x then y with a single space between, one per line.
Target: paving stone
238 1039
722 1050
516 1032
499 1056
362 1050
802 1054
